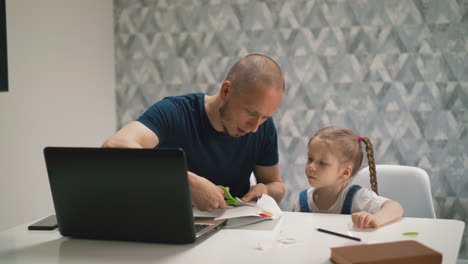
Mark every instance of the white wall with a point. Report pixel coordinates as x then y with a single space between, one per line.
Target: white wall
61 75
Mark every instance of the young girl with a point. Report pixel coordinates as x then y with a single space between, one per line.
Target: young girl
334 156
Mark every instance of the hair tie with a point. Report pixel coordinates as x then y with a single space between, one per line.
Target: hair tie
359 139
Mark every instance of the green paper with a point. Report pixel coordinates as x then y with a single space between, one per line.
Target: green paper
411 234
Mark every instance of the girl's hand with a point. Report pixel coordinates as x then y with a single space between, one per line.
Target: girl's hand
364 219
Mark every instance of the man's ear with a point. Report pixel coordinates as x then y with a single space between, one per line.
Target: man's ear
346 172
226 89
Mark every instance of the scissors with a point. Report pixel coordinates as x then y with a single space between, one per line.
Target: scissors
228 197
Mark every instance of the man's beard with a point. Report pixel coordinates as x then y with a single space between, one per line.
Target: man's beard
222 117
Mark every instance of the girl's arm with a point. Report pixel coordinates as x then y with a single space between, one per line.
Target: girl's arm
390 211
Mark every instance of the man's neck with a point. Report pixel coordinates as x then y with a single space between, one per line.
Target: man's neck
212 105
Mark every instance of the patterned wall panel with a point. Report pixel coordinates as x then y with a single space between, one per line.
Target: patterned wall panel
396 71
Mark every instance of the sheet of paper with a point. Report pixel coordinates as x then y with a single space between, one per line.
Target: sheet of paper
244 203
267 203
245 221
198 213
247 214
240 211
266 207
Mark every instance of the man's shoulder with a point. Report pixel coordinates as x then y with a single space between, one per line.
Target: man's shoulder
268 127
191 97
191 102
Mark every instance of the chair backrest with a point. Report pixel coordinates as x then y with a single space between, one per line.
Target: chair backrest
410 186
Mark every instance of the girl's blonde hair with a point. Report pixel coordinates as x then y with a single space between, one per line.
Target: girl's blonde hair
349 146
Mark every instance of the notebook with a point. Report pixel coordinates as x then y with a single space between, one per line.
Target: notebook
406 251
124 194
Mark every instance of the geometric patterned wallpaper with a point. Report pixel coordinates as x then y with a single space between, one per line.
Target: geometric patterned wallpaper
395 71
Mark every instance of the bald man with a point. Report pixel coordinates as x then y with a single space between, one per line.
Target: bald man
225 137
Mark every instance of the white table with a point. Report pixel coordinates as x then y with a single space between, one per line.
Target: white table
260 243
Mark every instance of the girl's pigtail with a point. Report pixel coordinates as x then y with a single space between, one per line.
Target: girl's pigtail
371 161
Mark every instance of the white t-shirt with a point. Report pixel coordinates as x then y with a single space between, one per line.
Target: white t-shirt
364 200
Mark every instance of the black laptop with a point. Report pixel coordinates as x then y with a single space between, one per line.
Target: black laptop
123 194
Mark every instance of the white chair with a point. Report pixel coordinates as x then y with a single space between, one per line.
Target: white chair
410 186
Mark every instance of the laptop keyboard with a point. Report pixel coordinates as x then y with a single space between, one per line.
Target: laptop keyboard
199 227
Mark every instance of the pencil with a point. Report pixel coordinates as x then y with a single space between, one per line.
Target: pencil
338 234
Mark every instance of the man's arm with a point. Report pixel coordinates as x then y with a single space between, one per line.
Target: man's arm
269 182
205 195
132 135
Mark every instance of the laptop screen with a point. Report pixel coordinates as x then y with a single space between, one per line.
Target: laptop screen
121 194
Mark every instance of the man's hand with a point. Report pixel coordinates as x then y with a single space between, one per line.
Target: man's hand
255 193
205 195
365 219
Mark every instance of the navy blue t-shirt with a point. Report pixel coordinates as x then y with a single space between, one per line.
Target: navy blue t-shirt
181 122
